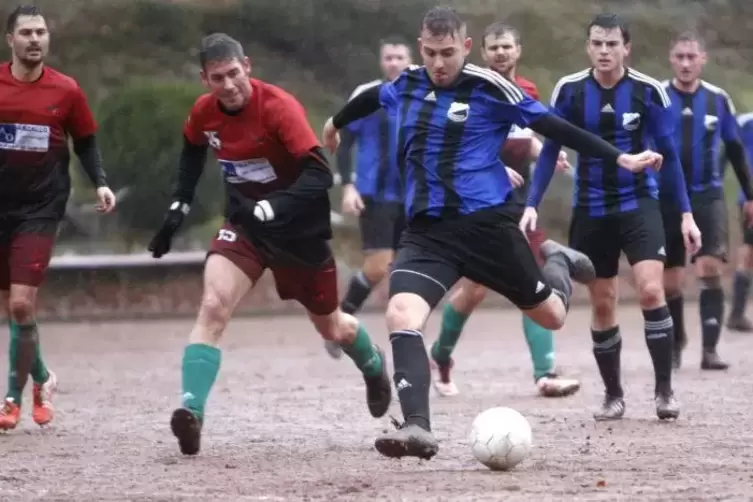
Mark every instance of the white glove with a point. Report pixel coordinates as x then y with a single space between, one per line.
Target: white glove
263 211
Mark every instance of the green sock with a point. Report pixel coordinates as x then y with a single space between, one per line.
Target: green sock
449 334
39 370
541 345
364 354
14 392
201 363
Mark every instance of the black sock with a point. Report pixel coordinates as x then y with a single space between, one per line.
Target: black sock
607 349
556 272
359 290
412 376
740 293
659 339
676 307
712 310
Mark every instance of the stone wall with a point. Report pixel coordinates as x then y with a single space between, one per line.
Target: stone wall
95 288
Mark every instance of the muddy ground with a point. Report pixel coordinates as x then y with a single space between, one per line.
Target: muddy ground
285 422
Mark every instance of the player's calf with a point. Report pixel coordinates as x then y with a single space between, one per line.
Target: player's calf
348 333
740 291
607 346
562 266
659 331
711 308
406 314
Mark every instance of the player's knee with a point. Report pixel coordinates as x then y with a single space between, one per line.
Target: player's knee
377 265
216 306
651 293
603 304
406 311
21 308
708 266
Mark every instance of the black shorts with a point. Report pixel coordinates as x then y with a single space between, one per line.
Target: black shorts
639 234
747 231
710 214
381 224
486 247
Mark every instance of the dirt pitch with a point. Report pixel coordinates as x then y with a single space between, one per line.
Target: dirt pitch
285 422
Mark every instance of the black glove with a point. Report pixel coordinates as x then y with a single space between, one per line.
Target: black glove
160 244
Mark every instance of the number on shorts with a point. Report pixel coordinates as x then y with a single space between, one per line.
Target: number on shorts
227 235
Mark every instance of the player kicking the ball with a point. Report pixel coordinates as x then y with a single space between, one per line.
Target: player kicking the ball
40 109
501 49
453 118
277 217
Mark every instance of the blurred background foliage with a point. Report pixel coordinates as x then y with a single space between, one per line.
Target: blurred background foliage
136 59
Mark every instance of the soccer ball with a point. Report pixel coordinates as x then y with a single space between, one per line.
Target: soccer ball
500 438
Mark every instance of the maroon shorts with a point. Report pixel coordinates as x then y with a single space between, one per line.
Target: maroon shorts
25 251
314 288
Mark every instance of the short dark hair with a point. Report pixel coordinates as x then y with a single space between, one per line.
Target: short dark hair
393 40
442 22
21 10
499 29
689 36
219 47
609 21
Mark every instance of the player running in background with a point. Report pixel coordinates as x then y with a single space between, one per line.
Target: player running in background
40 109
501 50
617 211
737 320
704 118
277 217
375 196
453 118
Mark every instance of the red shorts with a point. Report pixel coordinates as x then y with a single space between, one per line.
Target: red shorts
25 251
535 239
314 288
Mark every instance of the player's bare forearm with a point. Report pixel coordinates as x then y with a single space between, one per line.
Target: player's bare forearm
359 107
583 142
191 166
312 184
735 152
543 172
344 158
88 153
671 173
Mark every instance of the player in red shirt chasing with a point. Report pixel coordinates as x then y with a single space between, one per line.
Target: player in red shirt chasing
501 51
40 109
277 217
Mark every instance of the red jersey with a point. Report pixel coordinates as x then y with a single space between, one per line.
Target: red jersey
36 120
261 148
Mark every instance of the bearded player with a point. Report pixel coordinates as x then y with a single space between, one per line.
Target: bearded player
40 109
501 50
277 217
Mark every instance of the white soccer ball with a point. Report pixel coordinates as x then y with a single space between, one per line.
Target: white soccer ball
500 438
